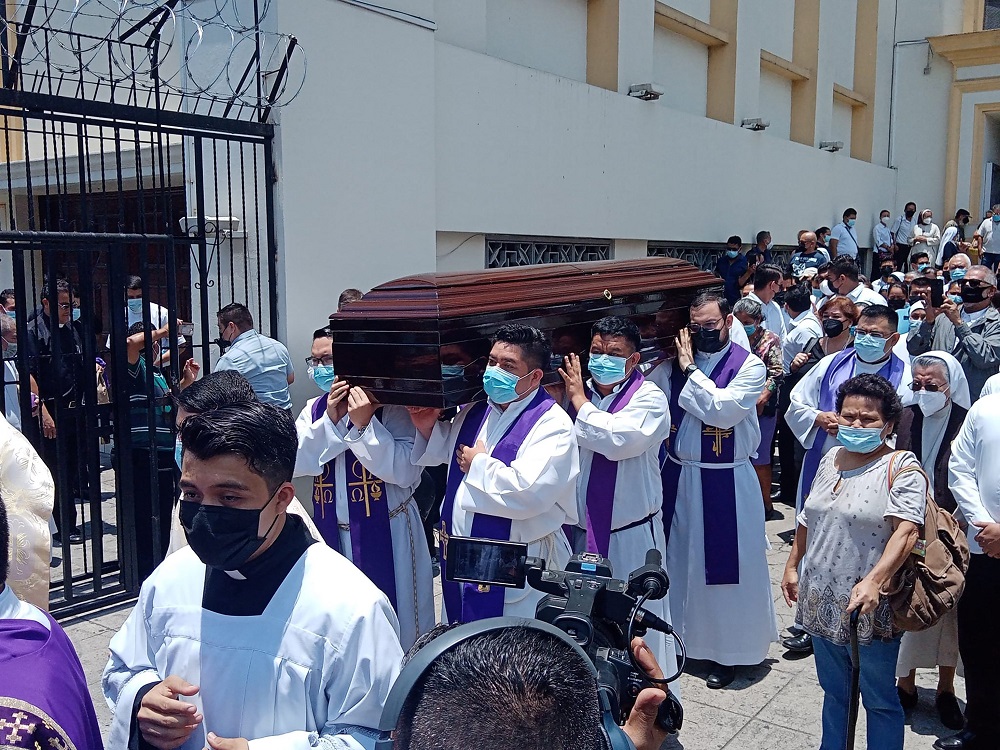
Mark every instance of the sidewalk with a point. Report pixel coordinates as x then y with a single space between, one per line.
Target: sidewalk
775 705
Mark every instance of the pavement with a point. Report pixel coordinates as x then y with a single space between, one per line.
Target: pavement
775 705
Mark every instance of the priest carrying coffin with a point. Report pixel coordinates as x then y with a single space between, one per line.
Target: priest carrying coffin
513 462
720 593
254 635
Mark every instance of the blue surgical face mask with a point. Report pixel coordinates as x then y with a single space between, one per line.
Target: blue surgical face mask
869 348
923 267
178 452
751 330
732 253
135 306
996 218
850 222
606 369
957 274
12 314
860 439
956 298
818 293
500 385
76 313
452 371
322 376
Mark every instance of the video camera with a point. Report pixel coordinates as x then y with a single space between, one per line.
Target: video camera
601 613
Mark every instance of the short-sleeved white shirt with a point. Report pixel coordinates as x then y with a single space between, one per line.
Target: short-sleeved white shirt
990 245
847 240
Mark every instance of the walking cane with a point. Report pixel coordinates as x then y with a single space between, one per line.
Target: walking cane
855 699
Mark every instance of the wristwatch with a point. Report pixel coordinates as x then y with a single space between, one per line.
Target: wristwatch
690 370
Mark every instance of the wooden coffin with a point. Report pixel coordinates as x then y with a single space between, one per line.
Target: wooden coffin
405 340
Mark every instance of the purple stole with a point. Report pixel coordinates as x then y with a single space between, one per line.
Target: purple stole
44 701
840 371
468 602
718 486
603 479
368 509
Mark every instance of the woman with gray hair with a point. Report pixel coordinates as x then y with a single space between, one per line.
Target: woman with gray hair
767 346
927 428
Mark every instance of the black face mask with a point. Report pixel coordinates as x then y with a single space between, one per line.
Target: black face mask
834 289
222 344
708 341
971 296
780 298
909 214
914 299
223 538
886 272
897 304
832 328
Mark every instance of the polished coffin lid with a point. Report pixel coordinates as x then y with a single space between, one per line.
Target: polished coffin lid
423 340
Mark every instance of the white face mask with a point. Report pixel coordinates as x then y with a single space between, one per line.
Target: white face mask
885 220
926 221
930 402
770 245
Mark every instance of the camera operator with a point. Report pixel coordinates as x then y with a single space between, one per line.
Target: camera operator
544 697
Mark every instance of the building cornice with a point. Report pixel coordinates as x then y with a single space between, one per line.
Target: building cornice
965 50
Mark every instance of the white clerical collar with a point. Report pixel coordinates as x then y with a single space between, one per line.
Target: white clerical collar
704 361
869 368
12 608
596 393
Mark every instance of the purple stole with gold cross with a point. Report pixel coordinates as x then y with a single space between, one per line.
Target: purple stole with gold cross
468 602
368 516
718 485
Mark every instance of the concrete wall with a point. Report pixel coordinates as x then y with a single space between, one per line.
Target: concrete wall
680 65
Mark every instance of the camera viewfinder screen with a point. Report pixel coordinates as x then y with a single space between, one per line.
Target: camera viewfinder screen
486 561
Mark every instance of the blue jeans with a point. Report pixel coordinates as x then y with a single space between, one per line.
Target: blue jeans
990 260
878 691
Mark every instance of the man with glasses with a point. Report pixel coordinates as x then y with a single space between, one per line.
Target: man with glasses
812 416
970 331
259 358
55 362
358 453
712 513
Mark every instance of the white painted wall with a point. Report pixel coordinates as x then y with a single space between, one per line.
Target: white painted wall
776 27
357 162
700 9
549 35
838 32
840 127
776 104
680 65
510 161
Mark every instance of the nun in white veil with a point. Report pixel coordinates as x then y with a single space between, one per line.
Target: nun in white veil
941 401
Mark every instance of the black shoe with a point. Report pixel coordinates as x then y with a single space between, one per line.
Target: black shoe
774 515
720 677
909 700
964 740
799 644
949 711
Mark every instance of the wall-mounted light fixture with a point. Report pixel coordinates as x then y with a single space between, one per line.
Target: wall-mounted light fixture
831 146
648 92
755 123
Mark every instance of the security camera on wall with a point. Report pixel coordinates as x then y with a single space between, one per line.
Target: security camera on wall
646 91
219 228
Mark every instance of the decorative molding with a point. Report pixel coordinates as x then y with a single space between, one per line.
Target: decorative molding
688 26
849 96
509 251
976 85
963 50
782 67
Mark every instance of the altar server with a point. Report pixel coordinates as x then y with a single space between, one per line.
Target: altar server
720 593
359 455
812 416
621 422
44 701
512 472
255 632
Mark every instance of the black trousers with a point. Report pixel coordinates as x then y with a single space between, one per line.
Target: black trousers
66 458
901 254
978 615
147 503
788 458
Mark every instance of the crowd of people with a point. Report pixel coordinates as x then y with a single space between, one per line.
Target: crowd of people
871 396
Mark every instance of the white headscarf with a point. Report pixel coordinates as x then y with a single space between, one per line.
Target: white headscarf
957 382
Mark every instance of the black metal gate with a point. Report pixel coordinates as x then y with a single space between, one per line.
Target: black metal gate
112 175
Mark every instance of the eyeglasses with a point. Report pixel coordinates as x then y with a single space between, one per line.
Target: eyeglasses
975 284
874 334
317 361
712 325
929 387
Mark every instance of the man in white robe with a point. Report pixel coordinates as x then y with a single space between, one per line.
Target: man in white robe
363 505
255 635
513 463
621 421
720 592
812 416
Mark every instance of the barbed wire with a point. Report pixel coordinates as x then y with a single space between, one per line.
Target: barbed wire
195 53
